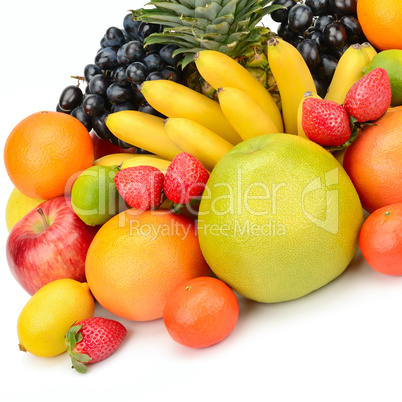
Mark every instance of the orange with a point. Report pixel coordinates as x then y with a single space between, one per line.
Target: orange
381 239
137 259
44 150
381 22
374 161
201 312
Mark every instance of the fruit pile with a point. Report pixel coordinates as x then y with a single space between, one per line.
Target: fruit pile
248 164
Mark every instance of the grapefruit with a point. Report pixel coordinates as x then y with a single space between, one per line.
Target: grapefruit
279 218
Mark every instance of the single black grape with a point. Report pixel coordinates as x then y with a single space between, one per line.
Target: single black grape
134 51
113 139
166 54
310 52
70 98
117 107
61 110
136 72
352 39
103 42
281 15
131 26
318 37
106 59
99 126
351 24
84 118
153 62
326 68
145 29
318 7
147 108
154 76
342 7
117 93
115 37
124 145
320 86
93 104
335 35
99 84
138 97
142 151
119 75
90 70
121 56
171 73
322 22
300 18
286 33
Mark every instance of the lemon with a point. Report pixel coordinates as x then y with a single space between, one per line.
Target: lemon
279 218
18 205
50 312
94 196
391 62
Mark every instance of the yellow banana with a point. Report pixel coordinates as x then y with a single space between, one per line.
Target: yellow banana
293 78
113 159
143 131
197 140
306 95
369 49
176 100
220 70
348 71
146 160
244 113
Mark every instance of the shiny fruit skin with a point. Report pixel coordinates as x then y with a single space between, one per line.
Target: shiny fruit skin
201 312
50 312
381 239
373 161
38 255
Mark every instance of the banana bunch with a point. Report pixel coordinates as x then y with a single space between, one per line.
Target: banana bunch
293 78
143 131
176 100
348 71
244 113
220 70
197 140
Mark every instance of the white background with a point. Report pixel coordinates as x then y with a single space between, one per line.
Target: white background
340 343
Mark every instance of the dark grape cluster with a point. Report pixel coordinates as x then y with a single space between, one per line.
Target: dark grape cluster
113 80
321 30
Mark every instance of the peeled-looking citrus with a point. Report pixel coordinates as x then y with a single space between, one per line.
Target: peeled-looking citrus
137 258
279 218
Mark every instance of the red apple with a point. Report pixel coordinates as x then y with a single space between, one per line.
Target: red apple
102 147
49 243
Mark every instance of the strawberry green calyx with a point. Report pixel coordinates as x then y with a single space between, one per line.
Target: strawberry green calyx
74 336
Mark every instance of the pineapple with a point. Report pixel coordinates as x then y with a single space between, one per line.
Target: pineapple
228 26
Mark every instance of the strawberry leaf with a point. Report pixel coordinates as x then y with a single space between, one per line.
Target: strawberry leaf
80 367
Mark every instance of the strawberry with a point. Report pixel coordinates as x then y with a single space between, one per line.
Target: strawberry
93 340
140 186
325 122
185 179
370 97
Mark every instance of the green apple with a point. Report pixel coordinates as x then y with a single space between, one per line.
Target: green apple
18 205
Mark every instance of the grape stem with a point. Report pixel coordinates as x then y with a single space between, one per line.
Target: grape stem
79 78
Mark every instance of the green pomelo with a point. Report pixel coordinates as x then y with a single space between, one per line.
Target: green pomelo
391 62
279 218
94 196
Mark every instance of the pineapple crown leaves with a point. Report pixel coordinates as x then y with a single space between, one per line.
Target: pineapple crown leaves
72 337
228 26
